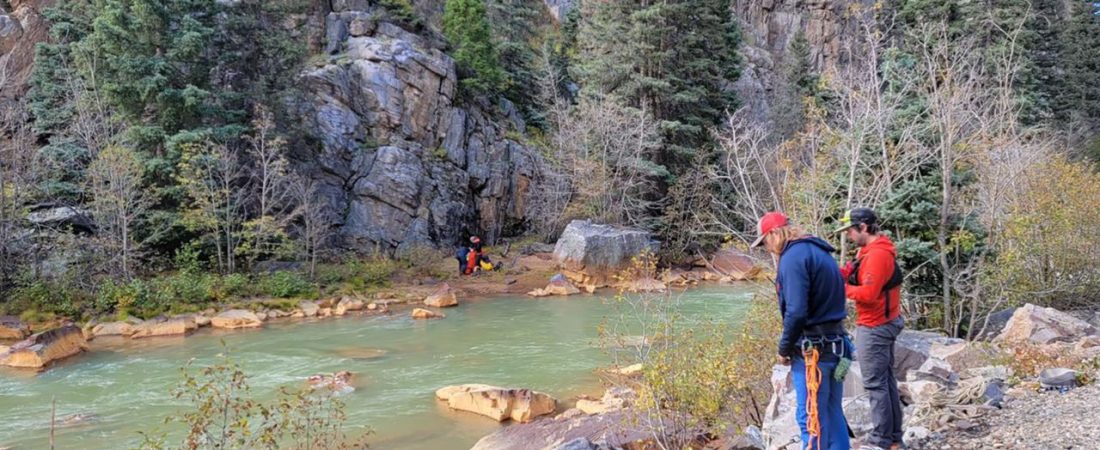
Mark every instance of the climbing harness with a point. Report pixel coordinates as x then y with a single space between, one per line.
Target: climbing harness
813 384
838 345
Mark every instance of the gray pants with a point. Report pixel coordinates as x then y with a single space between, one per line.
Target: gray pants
875 352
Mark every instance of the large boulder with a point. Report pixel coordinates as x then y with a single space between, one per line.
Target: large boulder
593 253
613 399
113 329
614 429
734 264
780 428
13 328
936 370
444 296
309 309
961 356
178 326
500 404
560 8
911 349
62 217
558 286
236 318
43 348
421 313
347 304
995 324
1039 325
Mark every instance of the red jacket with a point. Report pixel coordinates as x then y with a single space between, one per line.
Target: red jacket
875 270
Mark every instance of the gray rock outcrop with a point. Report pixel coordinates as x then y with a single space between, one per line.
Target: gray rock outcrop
22 27
559 8
401 159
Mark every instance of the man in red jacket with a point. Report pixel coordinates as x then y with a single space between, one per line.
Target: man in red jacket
874 285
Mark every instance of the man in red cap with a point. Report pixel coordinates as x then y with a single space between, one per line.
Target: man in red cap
811 301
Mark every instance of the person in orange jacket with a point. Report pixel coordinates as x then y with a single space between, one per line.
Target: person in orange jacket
874 285
469 257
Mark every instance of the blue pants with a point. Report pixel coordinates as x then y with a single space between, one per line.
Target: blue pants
830 411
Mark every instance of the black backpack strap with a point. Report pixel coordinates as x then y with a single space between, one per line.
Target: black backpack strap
895 280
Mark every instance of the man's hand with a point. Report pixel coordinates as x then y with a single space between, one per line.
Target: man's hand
784 360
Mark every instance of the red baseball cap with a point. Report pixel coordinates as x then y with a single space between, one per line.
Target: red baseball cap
769 222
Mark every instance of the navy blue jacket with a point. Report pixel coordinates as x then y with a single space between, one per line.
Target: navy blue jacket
811 290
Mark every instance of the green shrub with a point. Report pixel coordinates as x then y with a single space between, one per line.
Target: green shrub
187 287
34 316
357 275
51 297
333 274
188 259
118 298
425 260
402 11
286 284
236 285
708 376
376 272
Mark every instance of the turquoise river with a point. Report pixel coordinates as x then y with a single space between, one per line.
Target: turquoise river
550 345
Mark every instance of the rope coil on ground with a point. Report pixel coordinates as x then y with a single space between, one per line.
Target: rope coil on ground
964 402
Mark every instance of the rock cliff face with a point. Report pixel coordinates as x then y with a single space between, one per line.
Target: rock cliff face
21 28
768 26
399 158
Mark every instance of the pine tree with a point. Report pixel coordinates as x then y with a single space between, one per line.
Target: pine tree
1046 24
1079 96
467 28
673 60
516 29
800 81
172 72
50 99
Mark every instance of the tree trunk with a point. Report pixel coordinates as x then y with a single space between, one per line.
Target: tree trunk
941 241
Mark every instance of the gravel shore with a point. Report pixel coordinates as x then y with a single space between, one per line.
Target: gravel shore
1031 420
